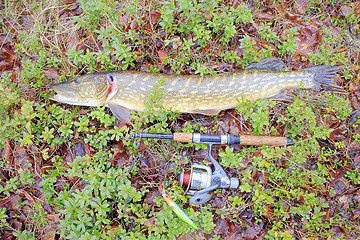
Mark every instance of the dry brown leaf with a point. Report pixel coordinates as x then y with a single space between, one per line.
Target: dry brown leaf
47 208
355 103
21 159
7 154
149 222
302 5
162 55
310 32
346 10
52 73
28 197
49 234
222 227
250 233
147 28
235 4
154 16
304 48
265 16
268 213
15 223
356 214
134 25
84 111
124 20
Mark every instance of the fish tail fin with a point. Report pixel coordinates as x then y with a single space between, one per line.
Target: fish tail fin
324 75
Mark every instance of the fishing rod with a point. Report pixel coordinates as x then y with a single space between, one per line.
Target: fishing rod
218 139
201 179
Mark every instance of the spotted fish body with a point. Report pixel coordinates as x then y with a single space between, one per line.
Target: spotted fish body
128 90
207 94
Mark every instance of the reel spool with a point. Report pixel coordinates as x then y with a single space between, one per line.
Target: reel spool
199 177
200 180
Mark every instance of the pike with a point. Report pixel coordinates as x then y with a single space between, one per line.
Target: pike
123 91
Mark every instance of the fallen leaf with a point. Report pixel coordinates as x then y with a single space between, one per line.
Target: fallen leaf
154 16
250 233
47 208
265 16
21 159
222 227
79 149
149 222
124 20
336 135
291 17
310 32
147 28
28 197
52 73
340 185
268 213
355 102
162 55
49 234
302 5
12 201
134 25
7 154
356 214
357 198
304 48
345 10
15 223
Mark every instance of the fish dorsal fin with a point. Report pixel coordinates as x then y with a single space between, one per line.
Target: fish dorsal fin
271 63
122 113
206 111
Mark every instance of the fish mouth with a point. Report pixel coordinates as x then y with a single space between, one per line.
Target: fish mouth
64 89
65 93
72 101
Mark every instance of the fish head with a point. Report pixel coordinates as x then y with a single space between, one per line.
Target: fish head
86 90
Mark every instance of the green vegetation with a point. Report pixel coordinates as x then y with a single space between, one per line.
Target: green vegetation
69 168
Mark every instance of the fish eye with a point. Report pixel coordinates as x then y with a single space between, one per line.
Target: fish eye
77 80
110 78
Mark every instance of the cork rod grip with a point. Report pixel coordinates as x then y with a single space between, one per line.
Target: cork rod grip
183 137
263 140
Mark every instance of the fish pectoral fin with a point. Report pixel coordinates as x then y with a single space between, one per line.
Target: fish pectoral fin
206 111
122 113
283 96
271 63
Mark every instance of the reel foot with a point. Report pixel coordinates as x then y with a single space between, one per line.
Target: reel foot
200 199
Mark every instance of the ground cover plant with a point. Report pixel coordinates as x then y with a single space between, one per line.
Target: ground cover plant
66 172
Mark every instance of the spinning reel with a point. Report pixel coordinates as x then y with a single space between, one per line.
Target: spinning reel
200 180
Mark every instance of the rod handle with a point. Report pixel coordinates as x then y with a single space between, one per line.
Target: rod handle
264 140
183 137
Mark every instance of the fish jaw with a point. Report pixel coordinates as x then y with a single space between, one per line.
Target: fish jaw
73 101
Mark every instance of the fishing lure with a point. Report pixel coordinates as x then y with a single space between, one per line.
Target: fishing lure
177 210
